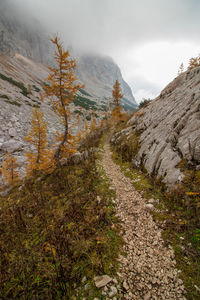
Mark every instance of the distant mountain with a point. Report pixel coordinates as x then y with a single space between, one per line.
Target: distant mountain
23 34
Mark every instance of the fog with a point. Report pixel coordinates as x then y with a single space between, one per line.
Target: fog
148 39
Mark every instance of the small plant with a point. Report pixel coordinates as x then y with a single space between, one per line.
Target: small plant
9 172
4 97
20 85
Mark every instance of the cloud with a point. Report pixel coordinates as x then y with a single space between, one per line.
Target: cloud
148 38
107 24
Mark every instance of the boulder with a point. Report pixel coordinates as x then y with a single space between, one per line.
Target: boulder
101 281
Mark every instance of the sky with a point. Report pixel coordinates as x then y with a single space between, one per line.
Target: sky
148 39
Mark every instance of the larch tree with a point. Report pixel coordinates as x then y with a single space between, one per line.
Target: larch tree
40 159
181 69
93 124
194 62
62 87
116 101
9 172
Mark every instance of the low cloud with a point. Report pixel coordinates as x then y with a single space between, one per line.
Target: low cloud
123 29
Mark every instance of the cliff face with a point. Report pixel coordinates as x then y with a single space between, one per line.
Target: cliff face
170 129
99 74
19 33
24 35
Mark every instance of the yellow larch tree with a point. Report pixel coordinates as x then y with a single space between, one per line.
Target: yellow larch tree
62 87
116 102
93 124
194 62
9 172
41 158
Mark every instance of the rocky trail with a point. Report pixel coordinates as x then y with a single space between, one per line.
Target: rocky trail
148 271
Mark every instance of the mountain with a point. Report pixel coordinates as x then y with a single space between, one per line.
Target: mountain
168 130
21 33
99 74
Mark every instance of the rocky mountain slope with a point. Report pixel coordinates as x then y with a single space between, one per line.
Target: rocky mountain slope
168 129
20 33
99 75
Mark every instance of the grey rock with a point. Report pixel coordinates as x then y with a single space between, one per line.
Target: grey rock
12 146
12 132
147 296
150 206
169 128
101 281
113 291
125 285
5 192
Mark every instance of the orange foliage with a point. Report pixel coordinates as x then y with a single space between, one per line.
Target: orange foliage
93 124
117 96
9 173
41 159
194 62
63 88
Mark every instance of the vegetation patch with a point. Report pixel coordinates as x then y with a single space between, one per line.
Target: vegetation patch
57 229
78 112
176 212
13 103
20 85
84 102
84 92
4 97
36 88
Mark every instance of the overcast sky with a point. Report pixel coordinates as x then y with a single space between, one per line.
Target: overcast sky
148 39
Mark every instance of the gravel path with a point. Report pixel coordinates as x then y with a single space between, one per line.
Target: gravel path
148 271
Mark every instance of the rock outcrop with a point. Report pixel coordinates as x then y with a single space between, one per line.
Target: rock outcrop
169 129
99 75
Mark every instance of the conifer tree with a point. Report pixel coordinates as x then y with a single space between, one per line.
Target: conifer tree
63 87
194 62
93 124
37 137
9 172
181 69
116 101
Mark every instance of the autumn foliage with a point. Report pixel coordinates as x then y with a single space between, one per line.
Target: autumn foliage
41 158
194 62
63 87
9 172
116 103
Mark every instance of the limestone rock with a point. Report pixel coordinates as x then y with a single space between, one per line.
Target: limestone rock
101 281
169 128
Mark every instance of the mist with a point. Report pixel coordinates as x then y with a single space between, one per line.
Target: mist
121 28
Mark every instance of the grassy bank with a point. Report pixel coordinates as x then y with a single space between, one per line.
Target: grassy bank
58 231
